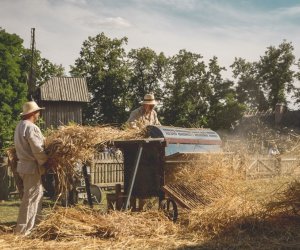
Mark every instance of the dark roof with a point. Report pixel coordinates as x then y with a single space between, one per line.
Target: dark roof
72 89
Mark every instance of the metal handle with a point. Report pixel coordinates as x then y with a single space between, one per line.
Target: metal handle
87 185
138 158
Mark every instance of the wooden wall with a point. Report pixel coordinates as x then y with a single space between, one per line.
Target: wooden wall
60 113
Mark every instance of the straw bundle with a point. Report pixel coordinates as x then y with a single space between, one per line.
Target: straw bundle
288 200
116 230
70 146
75 222
209 175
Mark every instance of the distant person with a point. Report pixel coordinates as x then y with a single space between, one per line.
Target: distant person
29 144
273 150
144 115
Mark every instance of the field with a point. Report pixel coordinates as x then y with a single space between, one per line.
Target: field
258 215
235 212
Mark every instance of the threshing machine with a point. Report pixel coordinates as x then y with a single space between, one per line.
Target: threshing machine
145 162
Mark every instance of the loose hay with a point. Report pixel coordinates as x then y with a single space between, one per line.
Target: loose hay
288 200
69 146
237 213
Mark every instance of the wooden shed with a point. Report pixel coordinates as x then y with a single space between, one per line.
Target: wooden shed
63 99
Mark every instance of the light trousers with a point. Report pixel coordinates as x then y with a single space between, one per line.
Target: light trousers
31 204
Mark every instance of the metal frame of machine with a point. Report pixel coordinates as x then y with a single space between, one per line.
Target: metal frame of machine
145 161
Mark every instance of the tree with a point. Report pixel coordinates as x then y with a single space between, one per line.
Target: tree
43 69
186 101
147 73
13 89
224 108
249 90
275 73
103 62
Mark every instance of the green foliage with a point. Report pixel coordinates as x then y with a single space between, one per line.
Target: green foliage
13 89
275 73
147 73
187 91
265 83
249 90
102 61
42 71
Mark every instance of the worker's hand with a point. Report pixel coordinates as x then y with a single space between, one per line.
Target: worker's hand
133 125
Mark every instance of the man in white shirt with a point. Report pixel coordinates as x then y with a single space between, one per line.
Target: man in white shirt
144 115
29 144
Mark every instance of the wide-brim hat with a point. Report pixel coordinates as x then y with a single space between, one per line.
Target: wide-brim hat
30 107
149 99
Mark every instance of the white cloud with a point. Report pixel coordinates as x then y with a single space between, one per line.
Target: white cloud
108 22
207 27
293 11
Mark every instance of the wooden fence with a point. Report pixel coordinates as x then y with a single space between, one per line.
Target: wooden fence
107 169
265 167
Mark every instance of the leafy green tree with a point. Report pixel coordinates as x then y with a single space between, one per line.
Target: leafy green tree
103 62
249 90
296 94
224 108
42 71
228 109
13 89
147 72
186 101
275 73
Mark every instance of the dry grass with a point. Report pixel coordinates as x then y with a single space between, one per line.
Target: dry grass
236 221
237 213
71 145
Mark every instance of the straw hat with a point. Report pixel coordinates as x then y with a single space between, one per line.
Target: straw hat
149 99
30 107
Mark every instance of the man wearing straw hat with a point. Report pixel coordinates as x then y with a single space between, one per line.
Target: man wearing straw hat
29 144
144 115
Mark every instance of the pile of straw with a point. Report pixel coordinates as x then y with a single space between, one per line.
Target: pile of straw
237 213
70 146
236 217
210 176
288 200
74 222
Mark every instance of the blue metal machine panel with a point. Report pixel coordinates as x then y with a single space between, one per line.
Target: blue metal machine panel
180 140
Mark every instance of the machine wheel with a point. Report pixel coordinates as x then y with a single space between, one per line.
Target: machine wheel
169 208
96 193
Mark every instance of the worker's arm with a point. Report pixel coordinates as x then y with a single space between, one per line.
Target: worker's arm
134 115
157 122
36 142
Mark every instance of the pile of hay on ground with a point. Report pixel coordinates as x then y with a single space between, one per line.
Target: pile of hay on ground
231 201
80 222
286 201
237 213
238 217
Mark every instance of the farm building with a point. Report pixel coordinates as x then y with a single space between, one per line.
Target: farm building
63 99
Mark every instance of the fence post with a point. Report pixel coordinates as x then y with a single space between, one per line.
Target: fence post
4 190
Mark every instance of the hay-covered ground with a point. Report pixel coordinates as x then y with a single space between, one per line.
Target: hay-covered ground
236 213
261 214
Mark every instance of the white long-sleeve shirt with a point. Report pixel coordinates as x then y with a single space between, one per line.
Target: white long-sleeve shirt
138 118
29 144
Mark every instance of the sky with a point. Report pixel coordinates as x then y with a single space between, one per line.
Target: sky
222 28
